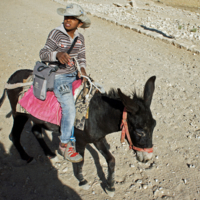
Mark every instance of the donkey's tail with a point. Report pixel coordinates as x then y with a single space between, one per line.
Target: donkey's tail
2 100
3 97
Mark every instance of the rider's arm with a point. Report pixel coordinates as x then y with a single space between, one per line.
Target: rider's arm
81 54
48 52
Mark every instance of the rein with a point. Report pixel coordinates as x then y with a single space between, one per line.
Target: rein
125 131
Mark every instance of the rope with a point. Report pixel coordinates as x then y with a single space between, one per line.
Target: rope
96 85
16 85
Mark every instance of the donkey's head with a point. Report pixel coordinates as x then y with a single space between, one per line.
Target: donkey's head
140 121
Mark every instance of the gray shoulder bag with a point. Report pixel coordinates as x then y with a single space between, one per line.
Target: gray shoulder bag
43 77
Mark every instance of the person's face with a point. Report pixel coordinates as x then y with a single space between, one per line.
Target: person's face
71 23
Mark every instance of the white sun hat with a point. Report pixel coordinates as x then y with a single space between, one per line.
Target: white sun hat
77 11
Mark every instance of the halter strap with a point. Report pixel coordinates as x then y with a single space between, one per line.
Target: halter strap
125 131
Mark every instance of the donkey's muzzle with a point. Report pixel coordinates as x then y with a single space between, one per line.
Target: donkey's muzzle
143 156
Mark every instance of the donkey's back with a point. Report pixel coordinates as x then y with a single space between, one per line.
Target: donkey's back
18 77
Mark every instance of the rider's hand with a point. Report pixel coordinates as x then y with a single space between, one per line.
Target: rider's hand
83 72
63 57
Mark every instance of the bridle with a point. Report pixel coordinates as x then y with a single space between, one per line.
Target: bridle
125 131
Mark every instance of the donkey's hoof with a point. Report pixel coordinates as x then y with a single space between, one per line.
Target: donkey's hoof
110 193
84 185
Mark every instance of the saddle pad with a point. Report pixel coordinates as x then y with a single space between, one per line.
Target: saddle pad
48 110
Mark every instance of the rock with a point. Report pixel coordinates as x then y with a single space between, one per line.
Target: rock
133 3
138 181
144 186
155 192
131 186
184 180
117 4
191 166
65 169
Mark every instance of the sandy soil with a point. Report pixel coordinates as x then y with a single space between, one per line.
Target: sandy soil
117 57
192 5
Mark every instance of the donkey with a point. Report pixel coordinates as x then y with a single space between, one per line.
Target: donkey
108 113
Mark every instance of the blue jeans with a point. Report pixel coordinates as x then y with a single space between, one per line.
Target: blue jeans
63 92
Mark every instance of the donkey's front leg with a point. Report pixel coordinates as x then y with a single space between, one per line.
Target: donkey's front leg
110 189
77 167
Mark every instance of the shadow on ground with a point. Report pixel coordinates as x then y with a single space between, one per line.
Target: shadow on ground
157 31
36 181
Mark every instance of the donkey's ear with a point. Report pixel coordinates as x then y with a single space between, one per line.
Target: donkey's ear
130 104
148 90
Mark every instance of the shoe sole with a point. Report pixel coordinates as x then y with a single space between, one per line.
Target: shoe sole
74 161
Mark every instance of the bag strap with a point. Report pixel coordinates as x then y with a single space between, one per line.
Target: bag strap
72 46
68 52
54 69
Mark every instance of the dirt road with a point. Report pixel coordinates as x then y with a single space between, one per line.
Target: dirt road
118 58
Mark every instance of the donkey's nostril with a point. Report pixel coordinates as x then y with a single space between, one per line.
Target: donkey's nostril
140 132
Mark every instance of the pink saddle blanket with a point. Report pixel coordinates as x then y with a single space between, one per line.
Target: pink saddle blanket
48 110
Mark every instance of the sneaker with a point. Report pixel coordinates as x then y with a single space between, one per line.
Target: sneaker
69 153
61 150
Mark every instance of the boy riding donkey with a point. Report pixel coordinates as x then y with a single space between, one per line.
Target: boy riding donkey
58 43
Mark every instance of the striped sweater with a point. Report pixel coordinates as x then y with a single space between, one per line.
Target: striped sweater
59 41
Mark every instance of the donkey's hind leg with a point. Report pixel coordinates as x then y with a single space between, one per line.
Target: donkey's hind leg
110 189
37 131
18 125
77 167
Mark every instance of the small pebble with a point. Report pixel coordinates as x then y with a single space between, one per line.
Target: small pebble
145 187
191 166
138 181
184 180
65 169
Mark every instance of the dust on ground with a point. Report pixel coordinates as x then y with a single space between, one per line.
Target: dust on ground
117 58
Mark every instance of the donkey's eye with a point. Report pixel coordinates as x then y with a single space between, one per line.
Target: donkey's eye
140 132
